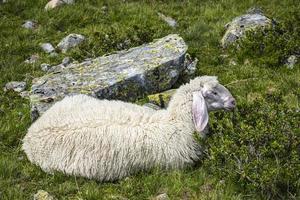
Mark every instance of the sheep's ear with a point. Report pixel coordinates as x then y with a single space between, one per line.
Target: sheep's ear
199 110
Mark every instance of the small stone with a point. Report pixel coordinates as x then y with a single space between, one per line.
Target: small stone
45 67
43 195
291 61
15 86
33 59
247 62
53 4
232 62
70 41
104 9
163 196
206 188
25 94
66 61
47 47
56 3
21 158
29 25
169 20
117 197
53 54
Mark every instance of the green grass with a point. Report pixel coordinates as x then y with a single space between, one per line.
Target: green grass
254 152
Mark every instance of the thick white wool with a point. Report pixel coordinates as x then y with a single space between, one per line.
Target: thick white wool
109 140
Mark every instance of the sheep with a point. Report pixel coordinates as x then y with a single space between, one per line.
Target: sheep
110 140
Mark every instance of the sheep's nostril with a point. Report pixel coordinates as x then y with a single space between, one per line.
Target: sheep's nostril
233 102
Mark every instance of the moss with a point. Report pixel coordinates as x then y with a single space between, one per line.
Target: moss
161 99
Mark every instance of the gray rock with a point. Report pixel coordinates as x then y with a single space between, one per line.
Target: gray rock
125 75
70 41
42 195
250 21
47 47
163 196
53 54
15 86
169 20
232 62
87 62
57 68
56 3
45 67
29 24
32 59
25 94
291 61
104 9
69 1
66 61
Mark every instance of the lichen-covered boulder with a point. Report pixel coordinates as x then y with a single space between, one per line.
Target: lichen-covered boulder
254 19
125 75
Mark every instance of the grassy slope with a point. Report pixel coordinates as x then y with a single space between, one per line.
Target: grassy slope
200 24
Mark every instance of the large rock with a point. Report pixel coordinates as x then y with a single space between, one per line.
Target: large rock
125 75
254 19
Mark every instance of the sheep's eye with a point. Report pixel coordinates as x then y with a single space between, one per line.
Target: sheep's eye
214 93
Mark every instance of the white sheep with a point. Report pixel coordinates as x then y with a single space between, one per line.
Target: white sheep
109 140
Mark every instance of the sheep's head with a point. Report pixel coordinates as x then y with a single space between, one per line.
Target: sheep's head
209 95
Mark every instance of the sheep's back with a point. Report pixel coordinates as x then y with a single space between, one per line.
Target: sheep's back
81 110
80 134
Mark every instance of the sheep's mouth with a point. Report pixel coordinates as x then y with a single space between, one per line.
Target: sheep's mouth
230 108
